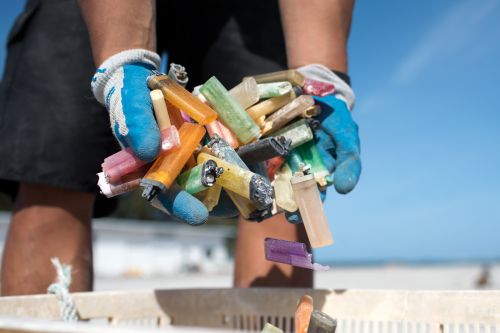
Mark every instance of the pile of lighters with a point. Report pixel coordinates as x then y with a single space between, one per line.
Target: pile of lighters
212 138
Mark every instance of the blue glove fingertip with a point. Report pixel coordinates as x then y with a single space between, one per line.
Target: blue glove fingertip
347 174
184 206
146 147
322 195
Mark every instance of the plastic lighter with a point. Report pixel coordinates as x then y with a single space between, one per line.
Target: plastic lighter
264 149
298 132
181 98
120 164
243 182
246 93
311 209
283 189
218 128
303 312
270 328
318 88
111 190
321 323
200 177
291 75
128 183
178 73
229 111
287 113
295 161
168 133
259 111
246 207
291 253
210 197
273 89
313 111
311 156
168 166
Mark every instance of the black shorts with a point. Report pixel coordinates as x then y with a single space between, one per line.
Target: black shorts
53 132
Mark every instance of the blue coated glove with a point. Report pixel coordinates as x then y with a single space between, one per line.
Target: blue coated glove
120 83
338 143
337 139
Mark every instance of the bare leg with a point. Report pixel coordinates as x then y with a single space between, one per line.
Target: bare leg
47 222
251 267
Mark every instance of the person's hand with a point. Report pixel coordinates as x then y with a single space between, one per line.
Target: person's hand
337 140
120 83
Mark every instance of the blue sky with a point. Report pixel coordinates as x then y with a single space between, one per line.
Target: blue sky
427 77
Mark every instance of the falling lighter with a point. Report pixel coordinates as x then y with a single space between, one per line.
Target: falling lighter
168 166
291 253
181 98
308 199
264 149
168 132
242 182
246 93
200 177
229 111
287 113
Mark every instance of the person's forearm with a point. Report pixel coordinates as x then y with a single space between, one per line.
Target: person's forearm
117 25
316 31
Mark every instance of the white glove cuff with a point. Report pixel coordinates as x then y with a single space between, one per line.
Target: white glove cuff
319 72
104 74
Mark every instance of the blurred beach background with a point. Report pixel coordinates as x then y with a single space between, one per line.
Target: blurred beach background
426 213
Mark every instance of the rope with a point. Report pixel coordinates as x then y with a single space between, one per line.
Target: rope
60 288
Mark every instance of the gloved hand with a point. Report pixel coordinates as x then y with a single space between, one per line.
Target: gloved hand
337 140
120 83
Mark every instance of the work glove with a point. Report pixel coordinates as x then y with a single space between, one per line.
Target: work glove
120 83
337 138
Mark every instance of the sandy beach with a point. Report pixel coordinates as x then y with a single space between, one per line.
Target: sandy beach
442 277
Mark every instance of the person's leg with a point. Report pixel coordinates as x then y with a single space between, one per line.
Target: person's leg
47 222
251 267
